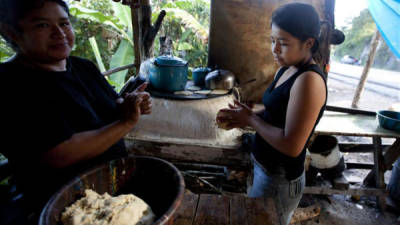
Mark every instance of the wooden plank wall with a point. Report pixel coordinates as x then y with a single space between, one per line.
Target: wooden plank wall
239 39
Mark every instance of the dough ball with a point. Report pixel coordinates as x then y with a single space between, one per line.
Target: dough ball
222 125
95 209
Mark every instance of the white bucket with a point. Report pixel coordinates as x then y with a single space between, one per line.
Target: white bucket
324 152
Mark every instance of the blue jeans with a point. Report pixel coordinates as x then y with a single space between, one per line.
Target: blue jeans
286 193
394 183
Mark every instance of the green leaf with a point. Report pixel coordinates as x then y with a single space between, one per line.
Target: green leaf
123 13
117 22
189 22
185 46
183 4
123 56
93 15
96 52
185 35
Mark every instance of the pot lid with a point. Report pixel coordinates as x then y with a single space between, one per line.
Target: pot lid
220 74
166 60
202 69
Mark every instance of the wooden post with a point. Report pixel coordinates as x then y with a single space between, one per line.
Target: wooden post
135 25
144 32
322 56
364 75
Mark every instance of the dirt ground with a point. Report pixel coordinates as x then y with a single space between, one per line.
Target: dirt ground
339 209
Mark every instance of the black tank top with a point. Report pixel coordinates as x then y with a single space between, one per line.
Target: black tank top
275 101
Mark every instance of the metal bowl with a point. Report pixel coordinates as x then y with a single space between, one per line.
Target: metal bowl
155 181
389 119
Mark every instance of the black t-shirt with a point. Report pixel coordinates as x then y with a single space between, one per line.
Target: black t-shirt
276 100
44 109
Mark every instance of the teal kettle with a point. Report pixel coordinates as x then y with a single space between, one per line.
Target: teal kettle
168 73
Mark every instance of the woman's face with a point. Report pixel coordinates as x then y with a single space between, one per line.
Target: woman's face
287 49
46 34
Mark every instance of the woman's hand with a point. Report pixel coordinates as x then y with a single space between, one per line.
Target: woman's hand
146 105
136 103
236 116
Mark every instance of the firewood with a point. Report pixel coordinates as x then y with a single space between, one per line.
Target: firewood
302 214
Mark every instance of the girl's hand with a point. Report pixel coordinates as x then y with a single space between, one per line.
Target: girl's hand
236 116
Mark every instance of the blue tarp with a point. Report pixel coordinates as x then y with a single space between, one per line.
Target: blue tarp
386 14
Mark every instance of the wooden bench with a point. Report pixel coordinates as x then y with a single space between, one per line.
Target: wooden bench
342 124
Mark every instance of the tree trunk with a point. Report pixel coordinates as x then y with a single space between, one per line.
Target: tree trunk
144 32
364 75
135 25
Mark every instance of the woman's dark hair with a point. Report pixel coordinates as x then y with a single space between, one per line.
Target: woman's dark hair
12 11
300 20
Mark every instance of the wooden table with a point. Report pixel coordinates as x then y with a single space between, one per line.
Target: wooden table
209 209
342 124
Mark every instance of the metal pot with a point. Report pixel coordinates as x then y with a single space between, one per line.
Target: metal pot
199 75
220 79
168 73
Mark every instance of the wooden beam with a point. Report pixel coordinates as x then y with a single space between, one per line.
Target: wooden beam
135 25
322 56
367 166
390 156
118 69
233 158
144 32
353 190
364 75
355 148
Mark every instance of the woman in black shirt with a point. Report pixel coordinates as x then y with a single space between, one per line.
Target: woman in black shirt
63 115
294 103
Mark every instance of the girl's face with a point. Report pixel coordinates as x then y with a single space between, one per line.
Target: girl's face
287 49
46 34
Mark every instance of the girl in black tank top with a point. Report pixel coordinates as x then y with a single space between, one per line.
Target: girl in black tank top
294 104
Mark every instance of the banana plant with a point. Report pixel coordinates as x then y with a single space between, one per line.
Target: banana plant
121 24
188 22
193 35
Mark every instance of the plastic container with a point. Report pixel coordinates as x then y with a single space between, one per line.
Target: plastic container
389 119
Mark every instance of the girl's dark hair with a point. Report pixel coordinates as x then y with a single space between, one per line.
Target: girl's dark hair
12 11
300 20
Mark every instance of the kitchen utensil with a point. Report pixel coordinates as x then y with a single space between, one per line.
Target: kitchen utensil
220 79
168 73
389 119
199 75
132 84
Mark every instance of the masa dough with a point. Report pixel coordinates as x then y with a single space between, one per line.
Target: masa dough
219 92
183 93
222 125
95 209
203 92
194 88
